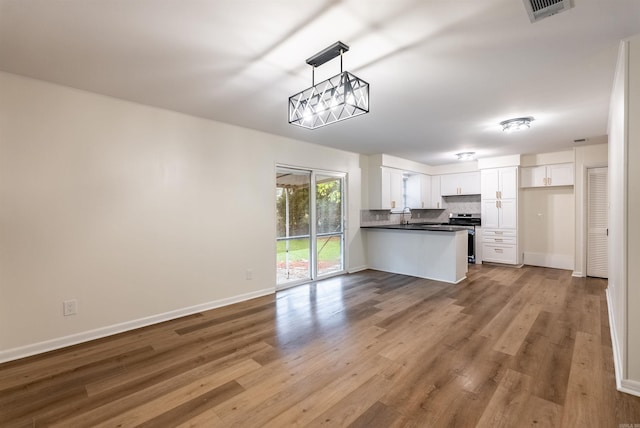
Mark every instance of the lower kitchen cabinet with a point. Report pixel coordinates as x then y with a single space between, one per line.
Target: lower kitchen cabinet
499 246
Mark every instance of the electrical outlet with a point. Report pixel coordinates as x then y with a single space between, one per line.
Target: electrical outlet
70 307
249 274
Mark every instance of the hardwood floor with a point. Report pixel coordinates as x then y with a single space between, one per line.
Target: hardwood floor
506 347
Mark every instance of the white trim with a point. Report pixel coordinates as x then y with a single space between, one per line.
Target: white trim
85 336
617 362
630 387
623 385
577 274
557 261
358 269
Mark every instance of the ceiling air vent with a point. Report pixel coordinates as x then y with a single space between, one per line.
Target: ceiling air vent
540 9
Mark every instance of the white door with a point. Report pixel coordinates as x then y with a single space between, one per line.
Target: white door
597 222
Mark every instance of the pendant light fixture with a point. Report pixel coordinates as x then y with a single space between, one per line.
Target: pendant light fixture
341 97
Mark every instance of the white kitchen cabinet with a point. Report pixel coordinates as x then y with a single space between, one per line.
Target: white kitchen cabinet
499 253
547 175
560 174
393 189
499 206
422 193
386 189
435 200
499 183
500 214
466 183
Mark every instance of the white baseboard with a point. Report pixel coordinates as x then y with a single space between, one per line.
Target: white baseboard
577 274
556 261
358 269
630 387
85 336
623 385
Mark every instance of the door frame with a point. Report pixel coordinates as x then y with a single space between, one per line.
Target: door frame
586 216
313 263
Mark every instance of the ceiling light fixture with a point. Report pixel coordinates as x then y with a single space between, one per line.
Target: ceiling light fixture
516 124
466 156
341 97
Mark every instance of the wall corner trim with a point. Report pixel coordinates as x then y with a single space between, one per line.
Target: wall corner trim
85 336
623 385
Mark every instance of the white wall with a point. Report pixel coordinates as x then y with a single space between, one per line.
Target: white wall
623 292
633 207
547 218
138 213
585 157
547 225
547 158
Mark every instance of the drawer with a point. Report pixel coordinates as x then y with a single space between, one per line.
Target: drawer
499 239
499 253
499 232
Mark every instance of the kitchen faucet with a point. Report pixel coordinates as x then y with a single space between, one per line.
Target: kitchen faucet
406 210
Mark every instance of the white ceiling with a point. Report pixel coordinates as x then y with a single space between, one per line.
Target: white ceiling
443 73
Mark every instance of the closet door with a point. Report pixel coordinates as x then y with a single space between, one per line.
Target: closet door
597 222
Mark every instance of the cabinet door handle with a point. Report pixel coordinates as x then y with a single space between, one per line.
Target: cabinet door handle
498 239
498 250
549 181
497 195
393 204
498 233
500 193
497 204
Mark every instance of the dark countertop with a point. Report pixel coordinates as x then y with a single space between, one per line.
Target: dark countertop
418 226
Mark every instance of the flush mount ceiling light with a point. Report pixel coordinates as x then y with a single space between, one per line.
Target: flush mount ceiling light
341 97
466 156
516 124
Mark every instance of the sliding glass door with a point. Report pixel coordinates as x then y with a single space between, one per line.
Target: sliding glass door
293 227
309 225
329 225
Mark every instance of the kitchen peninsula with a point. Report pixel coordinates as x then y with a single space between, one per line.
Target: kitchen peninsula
437 252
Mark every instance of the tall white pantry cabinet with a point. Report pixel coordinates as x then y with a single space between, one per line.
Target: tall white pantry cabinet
499 196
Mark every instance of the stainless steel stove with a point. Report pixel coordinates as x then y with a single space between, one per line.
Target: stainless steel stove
470 221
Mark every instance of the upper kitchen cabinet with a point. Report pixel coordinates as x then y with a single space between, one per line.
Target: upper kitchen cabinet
466 183
547 175
499 183
418 191
386 188
392 189
435 200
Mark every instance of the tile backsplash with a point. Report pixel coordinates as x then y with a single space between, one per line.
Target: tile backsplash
468 204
